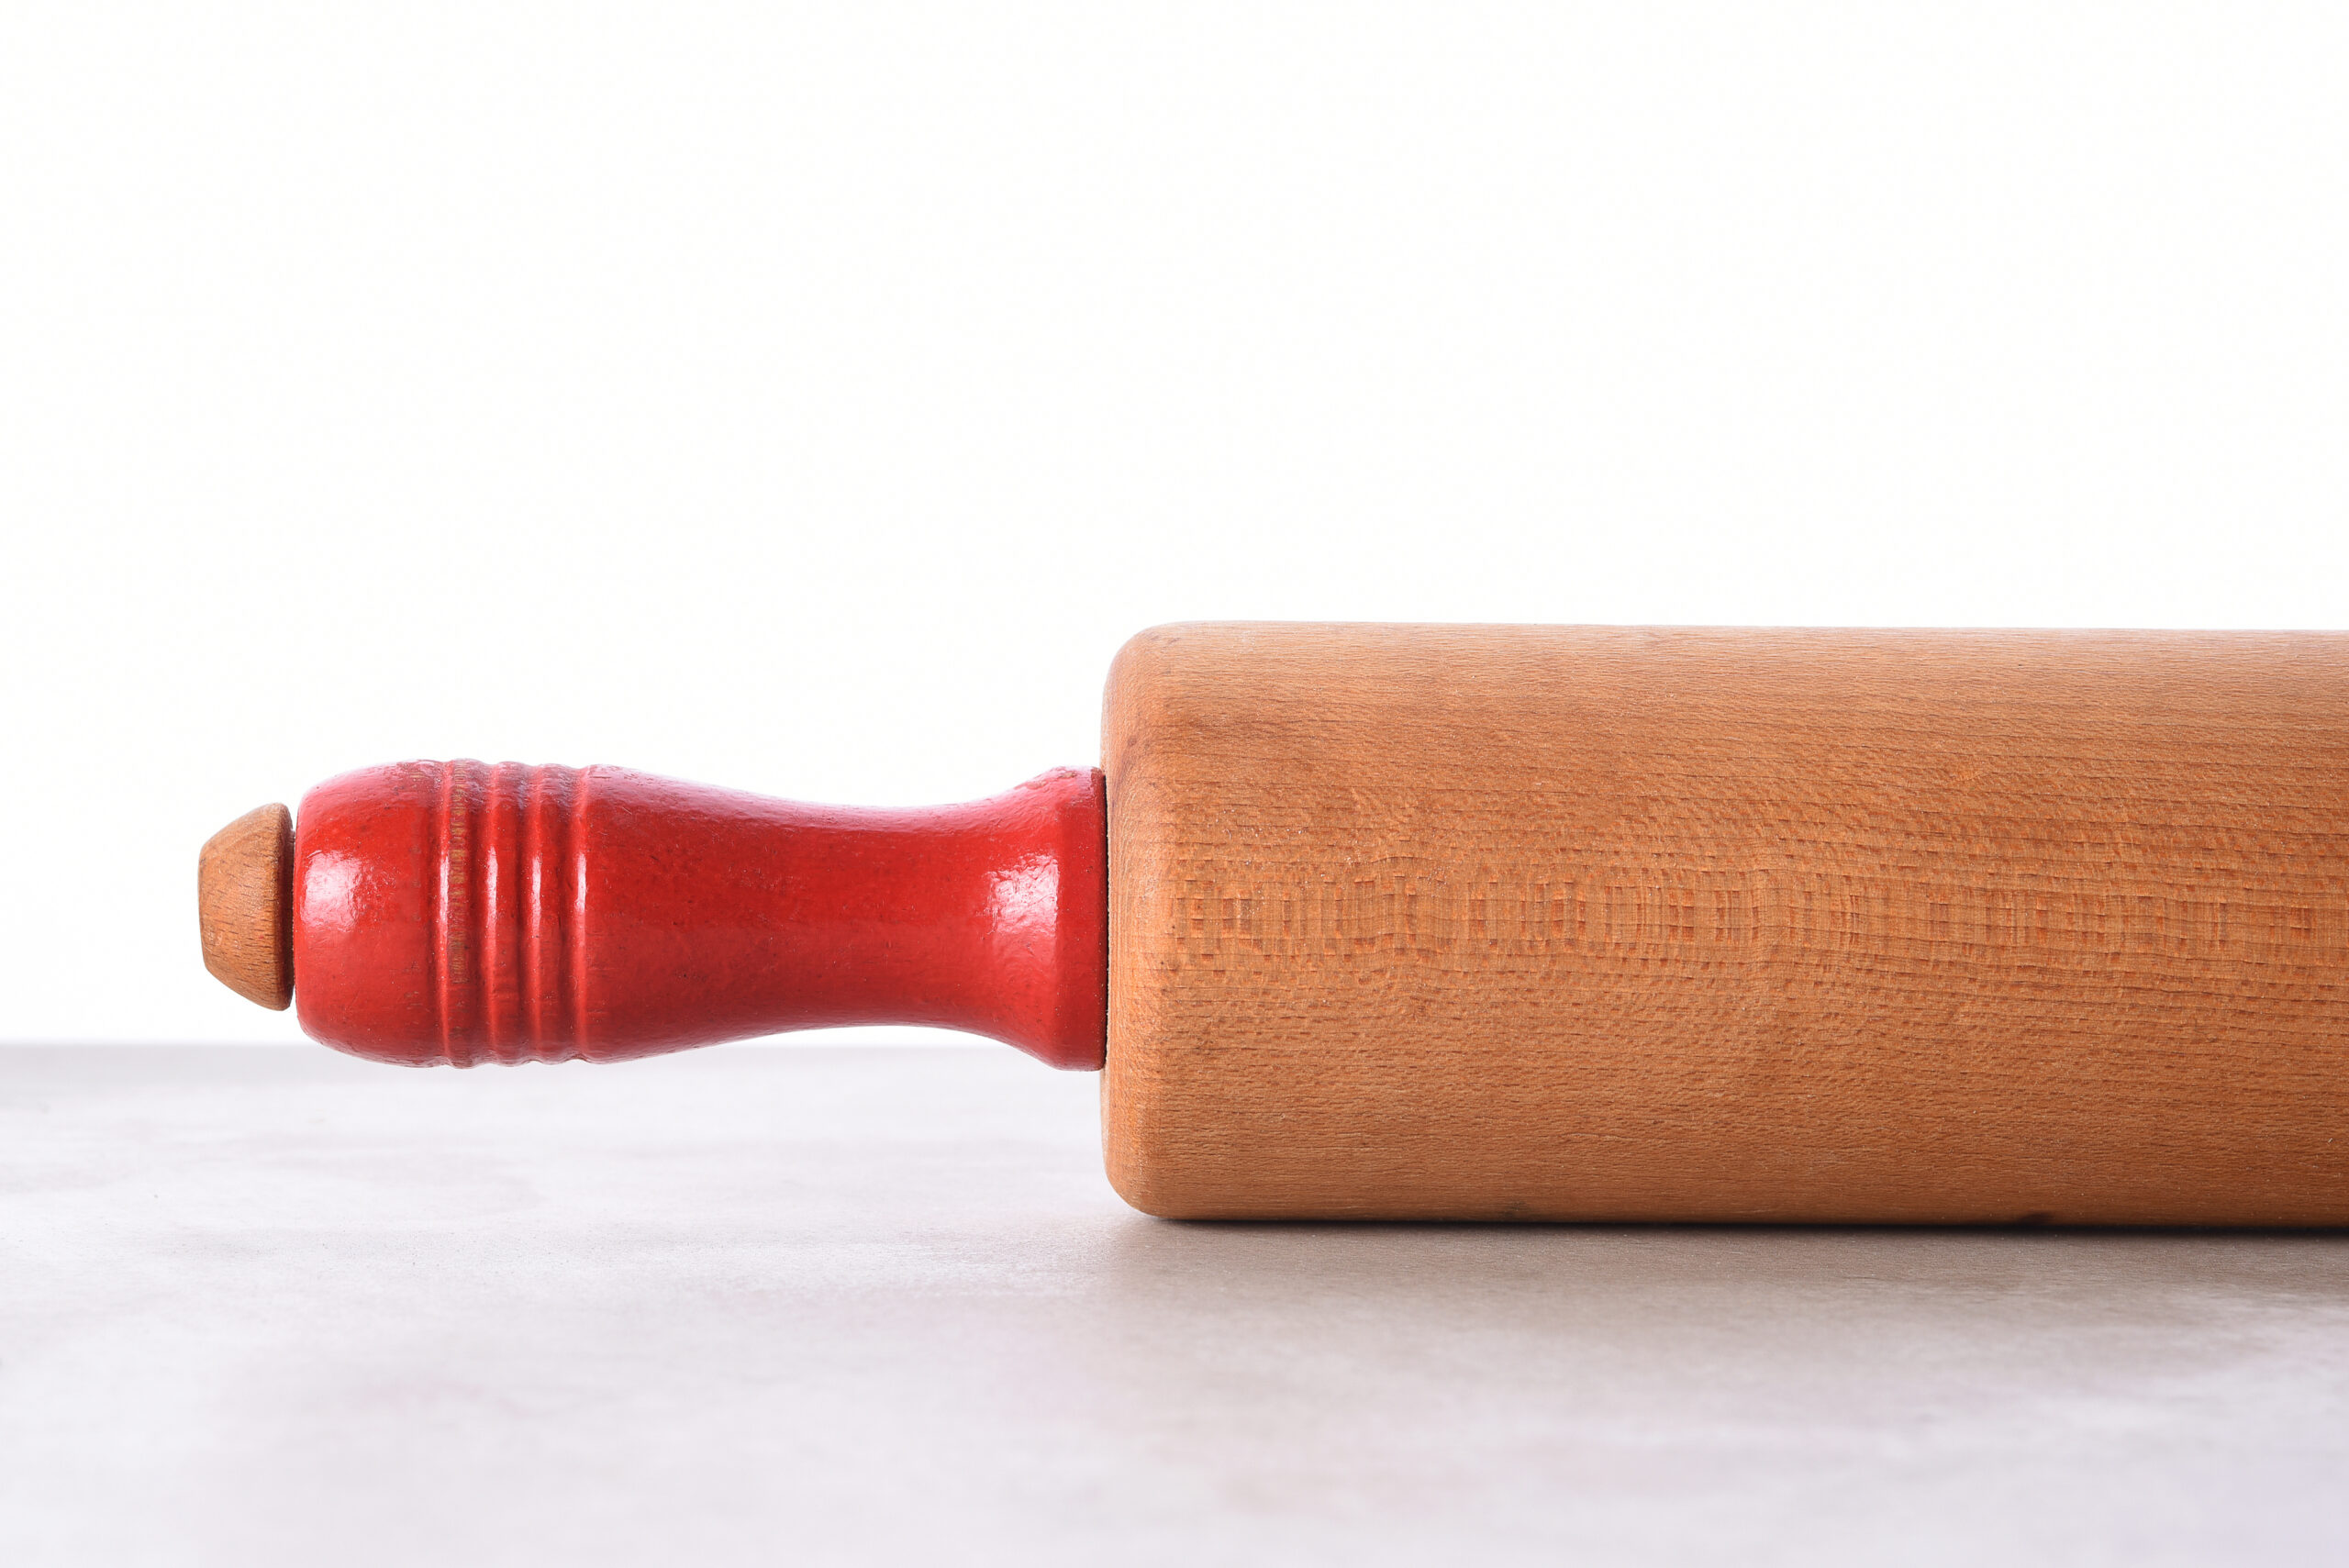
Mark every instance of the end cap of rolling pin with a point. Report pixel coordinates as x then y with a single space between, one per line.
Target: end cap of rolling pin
245 903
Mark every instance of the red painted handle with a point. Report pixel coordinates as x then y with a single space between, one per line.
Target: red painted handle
459 912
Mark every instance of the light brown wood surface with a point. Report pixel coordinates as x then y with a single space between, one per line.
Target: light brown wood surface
1604 923
245 906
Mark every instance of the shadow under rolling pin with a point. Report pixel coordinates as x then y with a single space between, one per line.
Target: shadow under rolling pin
1473 922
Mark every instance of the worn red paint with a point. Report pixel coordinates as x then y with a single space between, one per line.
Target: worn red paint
461 912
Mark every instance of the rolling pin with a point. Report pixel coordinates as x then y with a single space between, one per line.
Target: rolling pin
1426 922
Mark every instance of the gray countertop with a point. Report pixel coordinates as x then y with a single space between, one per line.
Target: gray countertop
270 1306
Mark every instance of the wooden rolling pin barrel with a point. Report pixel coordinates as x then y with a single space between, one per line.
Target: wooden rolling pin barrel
1473 922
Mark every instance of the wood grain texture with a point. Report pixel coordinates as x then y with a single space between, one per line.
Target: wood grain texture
244 888
1607 923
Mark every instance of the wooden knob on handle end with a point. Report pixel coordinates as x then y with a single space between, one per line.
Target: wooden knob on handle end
245 904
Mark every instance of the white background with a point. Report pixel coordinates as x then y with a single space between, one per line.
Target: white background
812 399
